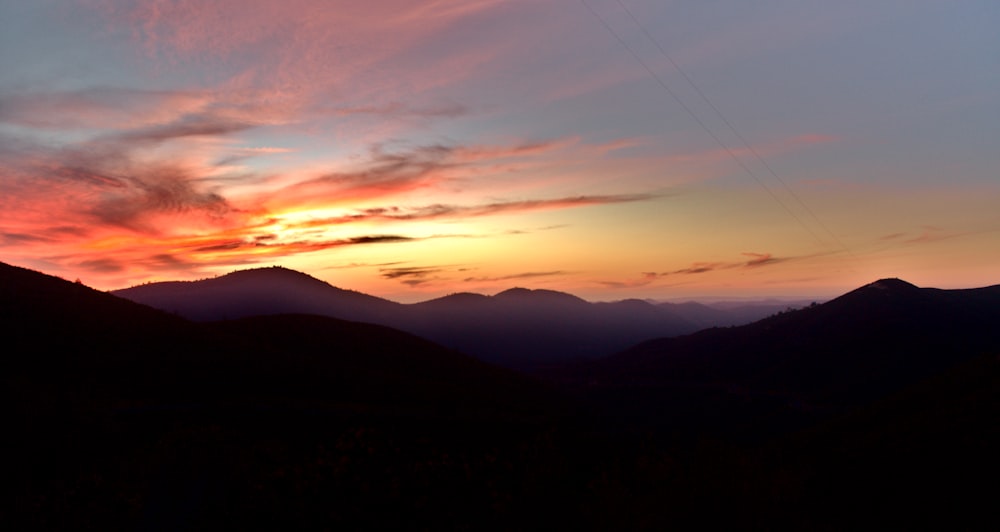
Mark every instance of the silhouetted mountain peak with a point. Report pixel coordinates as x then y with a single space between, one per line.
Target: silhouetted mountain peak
272 274
889 291
459 298
891 283
258 292
269 271
518 293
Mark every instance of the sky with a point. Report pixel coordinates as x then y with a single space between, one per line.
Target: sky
412 149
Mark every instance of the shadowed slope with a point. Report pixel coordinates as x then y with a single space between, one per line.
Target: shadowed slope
810 362
371 364
84 343
121 416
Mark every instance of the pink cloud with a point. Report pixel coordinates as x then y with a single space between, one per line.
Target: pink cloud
101 108
437 211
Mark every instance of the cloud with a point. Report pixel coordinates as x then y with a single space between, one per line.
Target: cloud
755 260
100 107
525 275
187 126
264 247
385 174
760 259
109 183
101 265
164 262
928 234
644 279
437 211
411 276
409 271
362 265
525 149
699 267
7 238
157 190
399 109
931 234
296 51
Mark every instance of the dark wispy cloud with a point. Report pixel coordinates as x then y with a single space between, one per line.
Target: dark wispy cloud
931 234
754 260
436 211
200 125
8 238
761 259
269 247
160 190
696 268
412 275
525 275
409 272
41 235
926 234
105 183
103 265
387 172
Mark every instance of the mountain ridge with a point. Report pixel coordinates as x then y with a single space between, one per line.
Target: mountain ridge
123 416
803 365
517 327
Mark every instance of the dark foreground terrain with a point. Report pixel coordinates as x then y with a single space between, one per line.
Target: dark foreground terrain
878 409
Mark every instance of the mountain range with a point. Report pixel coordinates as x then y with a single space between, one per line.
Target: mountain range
875 409
518 328
803 365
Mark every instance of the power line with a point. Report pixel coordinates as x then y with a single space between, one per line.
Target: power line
732 128
663 84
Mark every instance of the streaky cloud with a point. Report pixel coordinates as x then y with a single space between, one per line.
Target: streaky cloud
409 272
436 211
525 275
188 126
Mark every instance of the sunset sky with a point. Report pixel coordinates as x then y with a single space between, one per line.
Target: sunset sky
411 149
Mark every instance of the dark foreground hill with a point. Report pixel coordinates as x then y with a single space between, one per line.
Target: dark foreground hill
804 365
517 328
121 416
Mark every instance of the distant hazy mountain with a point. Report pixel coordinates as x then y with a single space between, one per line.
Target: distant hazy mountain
731 313
810 362
517 328
260 292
